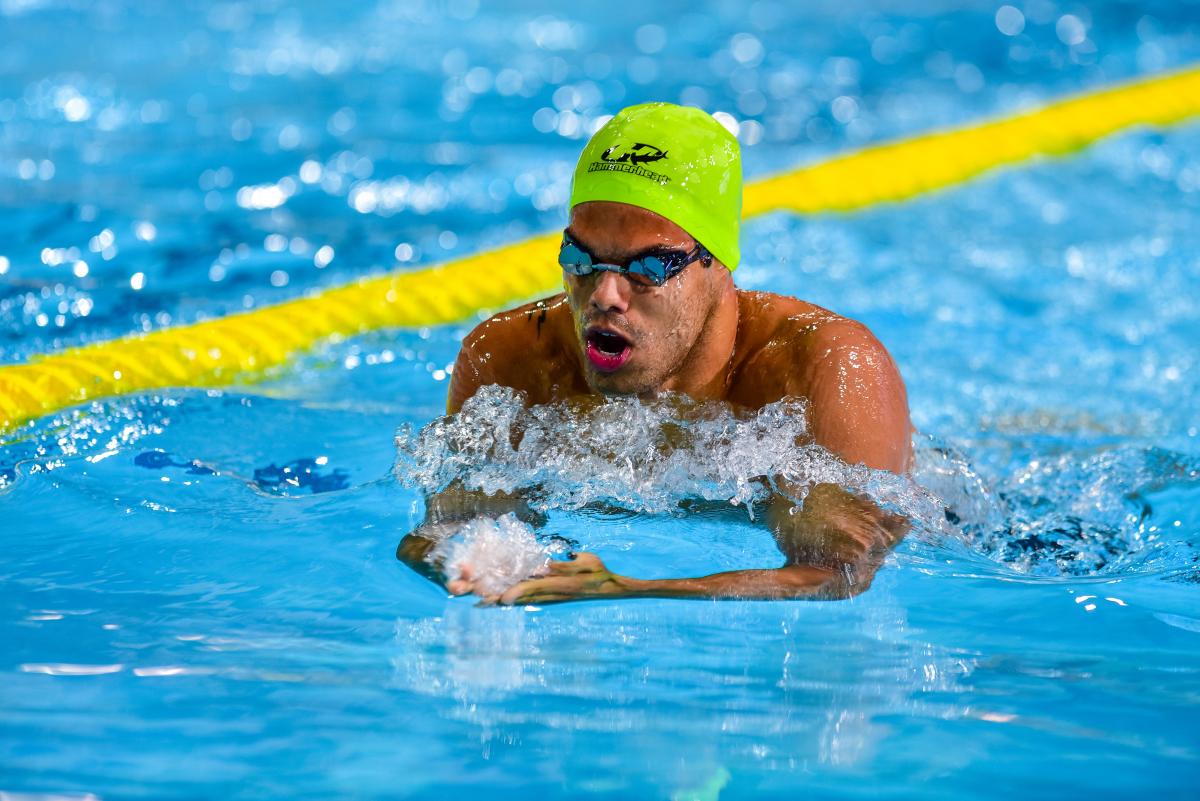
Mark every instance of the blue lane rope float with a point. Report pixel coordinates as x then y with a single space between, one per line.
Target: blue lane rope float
243 346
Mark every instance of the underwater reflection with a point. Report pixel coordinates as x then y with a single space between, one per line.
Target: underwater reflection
675 678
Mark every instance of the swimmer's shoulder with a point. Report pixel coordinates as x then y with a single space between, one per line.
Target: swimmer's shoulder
785 343
770 324
768 315
858 404
523 348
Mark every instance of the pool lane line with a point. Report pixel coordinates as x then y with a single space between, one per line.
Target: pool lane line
249 345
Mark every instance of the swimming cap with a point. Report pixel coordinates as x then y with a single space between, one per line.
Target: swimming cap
675 161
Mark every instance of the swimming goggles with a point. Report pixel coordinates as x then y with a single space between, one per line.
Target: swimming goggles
652 267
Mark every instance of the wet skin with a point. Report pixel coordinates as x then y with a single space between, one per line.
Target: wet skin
609 334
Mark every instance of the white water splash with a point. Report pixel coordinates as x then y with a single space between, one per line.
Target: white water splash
637 455
1067 515
499 552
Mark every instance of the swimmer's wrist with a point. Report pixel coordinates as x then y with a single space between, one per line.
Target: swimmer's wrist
629 587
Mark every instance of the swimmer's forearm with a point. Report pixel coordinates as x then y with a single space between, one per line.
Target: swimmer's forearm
834 528
794 582
586 578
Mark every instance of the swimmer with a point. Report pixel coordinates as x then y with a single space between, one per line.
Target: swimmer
650 306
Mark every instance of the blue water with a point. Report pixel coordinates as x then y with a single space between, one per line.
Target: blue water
198 591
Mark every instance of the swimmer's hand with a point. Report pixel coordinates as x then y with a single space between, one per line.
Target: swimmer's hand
584 576
468 582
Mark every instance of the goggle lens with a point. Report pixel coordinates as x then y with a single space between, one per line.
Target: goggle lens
573 259
652 267
649 269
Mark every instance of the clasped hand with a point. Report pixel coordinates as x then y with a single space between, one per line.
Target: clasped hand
583 576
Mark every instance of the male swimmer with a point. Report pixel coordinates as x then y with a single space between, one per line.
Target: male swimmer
650 306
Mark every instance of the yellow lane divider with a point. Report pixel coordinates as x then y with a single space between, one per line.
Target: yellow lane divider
245 345
903 169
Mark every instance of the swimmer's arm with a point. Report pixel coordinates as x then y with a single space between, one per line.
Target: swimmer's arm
585 577
448 510
832 543
832 546
471 370
858 410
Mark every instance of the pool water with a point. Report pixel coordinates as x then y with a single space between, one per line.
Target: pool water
200 597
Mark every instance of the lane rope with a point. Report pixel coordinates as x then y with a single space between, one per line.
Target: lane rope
250 344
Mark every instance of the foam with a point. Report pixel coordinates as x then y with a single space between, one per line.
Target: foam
500 551
1061 515
644 456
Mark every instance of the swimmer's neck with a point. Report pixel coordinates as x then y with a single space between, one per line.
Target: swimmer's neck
706 370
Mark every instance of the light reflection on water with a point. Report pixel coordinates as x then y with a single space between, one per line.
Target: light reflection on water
395 157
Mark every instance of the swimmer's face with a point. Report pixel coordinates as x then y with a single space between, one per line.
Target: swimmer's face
635 338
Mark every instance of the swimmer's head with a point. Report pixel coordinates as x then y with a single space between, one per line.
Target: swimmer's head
655 177
676 161
634 337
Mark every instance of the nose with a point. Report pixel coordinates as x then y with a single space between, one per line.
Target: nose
610 294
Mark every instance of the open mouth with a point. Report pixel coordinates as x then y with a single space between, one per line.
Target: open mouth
607 350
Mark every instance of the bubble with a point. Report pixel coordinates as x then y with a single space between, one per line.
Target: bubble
77 109
1070 29
1009 20
289 137
643 70
844 108
746 49
545 120
968 78
478 80
342 121
650 38
508 81
750 132
241 129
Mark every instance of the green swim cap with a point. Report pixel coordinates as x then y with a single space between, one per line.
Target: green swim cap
675 161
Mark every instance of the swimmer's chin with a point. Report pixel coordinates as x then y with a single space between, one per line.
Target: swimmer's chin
626 382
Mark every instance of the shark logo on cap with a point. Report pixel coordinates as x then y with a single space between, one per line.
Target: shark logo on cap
640 153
